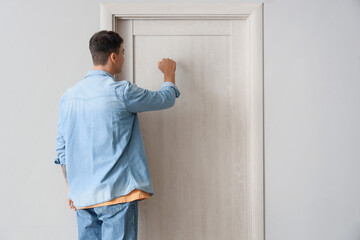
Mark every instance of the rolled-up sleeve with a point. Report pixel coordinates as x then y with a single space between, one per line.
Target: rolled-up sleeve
60 145
138 99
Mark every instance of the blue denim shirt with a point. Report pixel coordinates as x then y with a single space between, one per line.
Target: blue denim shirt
99 138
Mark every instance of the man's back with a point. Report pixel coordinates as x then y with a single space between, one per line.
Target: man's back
99 136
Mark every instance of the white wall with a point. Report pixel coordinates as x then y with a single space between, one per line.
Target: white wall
312 115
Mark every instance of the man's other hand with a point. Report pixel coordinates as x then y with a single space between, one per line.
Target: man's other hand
70 202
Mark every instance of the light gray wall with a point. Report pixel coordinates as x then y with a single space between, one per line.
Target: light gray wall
312 115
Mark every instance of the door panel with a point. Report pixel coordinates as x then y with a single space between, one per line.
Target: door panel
197 150
179 27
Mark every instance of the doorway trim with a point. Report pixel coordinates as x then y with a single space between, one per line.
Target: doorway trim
253 14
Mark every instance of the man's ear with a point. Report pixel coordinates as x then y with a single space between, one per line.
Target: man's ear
112 57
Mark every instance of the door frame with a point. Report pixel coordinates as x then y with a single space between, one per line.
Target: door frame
252 13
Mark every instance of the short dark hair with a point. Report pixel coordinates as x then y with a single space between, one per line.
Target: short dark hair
102 44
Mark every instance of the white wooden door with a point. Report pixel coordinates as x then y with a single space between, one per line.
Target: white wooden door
197 150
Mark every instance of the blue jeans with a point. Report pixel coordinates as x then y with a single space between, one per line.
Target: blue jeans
113 222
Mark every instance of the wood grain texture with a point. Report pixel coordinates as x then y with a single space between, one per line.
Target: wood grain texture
182 27
206 153
193 148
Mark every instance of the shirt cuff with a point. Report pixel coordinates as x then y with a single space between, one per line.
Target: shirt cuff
57 161
170 84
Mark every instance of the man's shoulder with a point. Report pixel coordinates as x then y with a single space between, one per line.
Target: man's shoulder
81 89
119 86
69 92
122 82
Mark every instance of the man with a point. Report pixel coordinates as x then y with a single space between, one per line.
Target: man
99 143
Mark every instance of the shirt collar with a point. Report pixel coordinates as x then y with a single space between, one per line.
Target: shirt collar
99 72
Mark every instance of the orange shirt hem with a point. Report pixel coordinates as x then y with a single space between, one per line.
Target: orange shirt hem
135 194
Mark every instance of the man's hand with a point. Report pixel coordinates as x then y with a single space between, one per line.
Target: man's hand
168 67
70 202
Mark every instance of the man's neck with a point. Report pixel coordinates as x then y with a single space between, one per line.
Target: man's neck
104 68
